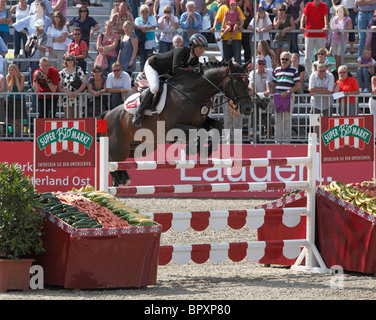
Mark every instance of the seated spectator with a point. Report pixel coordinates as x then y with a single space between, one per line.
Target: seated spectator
366 68
69 84
263 25
118 83
98 103
167 22
283 22
16 102
118 19
372 101
264 51
190 21
349 86
321 82
128 49
46 80
86 23
58 32
340 21
78 48
145 23
107 43
177 41
322 59
285 81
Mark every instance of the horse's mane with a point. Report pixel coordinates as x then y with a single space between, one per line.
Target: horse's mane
211 65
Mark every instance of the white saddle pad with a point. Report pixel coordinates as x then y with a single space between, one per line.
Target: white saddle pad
133 102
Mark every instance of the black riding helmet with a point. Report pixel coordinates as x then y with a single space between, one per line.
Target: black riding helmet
198 40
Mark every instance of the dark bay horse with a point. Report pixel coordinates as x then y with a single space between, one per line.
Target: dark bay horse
184 109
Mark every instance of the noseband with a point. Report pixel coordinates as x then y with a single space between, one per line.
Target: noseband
229 81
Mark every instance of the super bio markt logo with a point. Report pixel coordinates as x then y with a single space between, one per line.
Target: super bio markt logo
64 136
346 132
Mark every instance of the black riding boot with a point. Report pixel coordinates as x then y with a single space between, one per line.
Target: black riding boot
145 103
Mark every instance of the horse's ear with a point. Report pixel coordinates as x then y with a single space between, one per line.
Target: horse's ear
245 65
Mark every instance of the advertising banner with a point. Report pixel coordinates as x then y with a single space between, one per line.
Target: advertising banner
347 139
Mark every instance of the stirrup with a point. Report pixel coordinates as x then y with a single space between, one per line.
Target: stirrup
137 120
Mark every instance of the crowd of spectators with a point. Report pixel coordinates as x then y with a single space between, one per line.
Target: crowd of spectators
58 48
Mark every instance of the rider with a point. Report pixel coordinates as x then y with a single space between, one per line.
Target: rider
177 61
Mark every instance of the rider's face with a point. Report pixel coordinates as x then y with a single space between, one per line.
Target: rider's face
199 51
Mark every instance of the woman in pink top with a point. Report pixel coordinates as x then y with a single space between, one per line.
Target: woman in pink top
340 21
107 43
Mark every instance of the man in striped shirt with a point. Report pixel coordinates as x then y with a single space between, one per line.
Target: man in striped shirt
286 80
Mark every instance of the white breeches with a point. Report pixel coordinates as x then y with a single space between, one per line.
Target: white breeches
153 78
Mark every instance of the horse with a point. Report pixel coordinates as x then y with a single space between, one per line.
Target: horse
186 108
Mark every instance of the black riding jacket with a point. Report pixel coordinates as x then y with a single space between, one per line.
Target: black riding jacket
176 61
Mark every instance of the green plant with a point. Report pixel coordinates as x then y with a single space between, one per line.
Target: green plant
20 221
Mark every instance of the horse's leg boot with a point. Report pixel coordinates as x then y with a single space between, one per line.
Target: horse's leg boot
145 103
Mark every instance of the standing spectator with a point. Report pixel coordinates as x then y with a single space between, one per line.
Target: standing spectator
78 48
60 5
107 43
27 24
285 82
232 50
321 82
118 83
295 9
264 51
371 38
48 12
349 86
271 7
315 17
58 32
365 15
128 49
146 24
263 25
366 68
190 21
245 7
231 22
295 58
177 41
159 5
16 102
283 22
353 14
20 10
260 83
37 47
5 20
118 19
72 102
2 104
46 80
372 102
167 22
97 87
340 21
87 24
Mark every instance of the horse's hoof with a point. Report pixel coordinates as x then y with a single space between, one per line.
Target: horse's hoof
128 182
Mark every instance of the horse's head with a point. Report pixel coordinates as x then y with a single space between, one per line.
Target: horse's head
236 87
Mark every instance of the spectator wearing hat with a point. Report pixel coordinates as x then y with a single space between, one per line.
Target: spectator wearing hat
260 83
232 22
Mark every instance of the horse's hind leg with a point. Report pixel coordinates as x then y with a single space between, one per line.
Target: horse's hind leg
120 178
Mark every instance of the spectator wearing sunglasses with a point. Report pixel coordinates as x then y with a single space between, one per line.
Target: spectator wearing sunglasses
78 48
118 83
349 86
167 22
87 24
286 80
